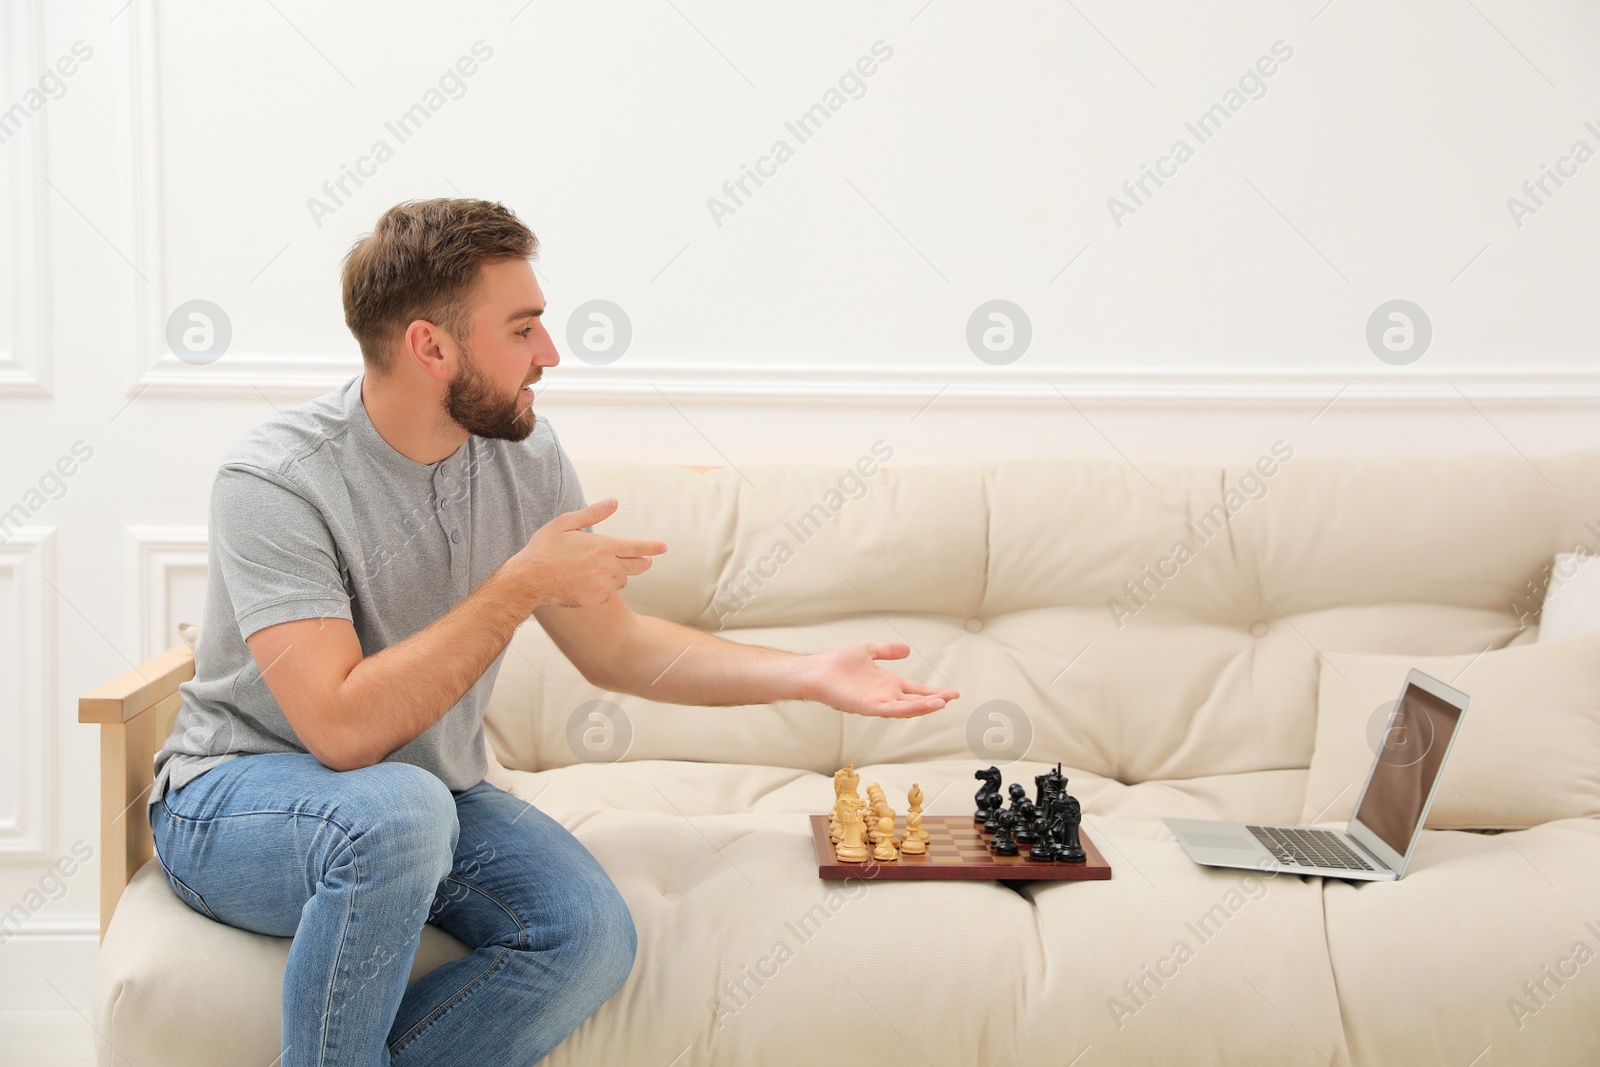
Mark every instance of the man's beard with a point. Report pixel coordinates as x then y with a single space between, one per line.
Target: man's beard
471 401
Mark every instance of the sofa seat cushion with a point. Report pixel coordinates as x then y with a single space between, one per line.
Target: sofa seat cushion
166 970
1437 966
747 957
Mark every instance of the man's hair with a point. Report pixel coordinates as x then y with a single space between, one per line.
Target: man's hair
418 263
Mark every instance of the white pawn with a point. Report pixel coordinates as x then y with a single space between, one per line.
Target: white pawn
885 851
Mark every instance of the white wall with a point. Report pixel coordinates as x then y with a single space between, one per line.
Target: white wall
828 309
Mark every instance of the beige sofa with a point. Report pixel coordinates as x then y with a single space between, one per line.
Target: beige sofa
1027 585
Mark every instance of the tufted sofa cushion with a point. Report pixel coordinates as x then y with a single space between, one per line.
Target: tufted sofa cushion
1151 624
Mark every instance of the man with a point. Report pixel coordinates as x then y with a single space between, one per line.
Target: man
372 553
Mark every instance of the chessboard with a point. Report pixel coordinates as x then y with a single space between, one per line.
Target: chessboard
957 849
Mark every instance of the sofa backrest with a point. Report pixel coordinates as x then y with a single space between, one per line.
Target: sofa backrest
1158 622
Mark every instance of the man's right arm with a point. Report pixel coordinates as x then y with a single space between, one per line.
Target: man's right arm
351 710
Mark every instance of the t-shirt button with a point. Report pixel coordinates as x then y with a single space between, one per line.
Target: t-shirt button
455 537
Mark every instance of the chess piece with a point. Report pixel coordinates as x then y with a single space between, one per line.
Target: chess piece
880 809
1044 846
991 825
853 845
850 802
878 802
842 803
1071 849
1004 844
991 786
1026 813
1060 849
1052 787
874 811
1055 782
1042 852
914 828
852 848
845 780
885 851
1027 818
916 842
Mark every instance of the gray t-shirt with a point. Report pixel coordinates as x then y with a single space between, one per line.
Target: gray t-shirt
314 515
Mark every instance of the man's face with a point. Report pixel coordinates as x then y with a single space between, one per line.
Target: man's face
504 353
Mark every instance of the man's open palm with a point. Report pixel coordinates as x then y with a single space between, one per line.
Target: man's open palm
849 678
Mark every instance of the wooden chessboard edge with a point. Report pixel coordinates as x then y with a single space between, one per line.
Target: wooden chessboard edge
1095 868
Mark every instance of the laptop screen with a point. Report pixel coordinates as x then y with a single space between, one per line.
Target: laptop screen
1412 750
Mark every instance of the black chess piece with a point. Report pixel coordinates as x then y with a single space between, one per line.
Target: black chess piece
1047 807
1042 851
1041 824
1025 812
1072 847
1056 836
1004 844
991 786
1017 793
991 825
1056 782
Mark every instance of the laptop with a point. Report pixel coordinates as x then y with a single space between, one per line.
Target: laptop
1389 814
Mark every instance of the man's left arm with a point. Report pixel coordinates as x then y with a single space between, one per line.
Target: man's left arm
624 652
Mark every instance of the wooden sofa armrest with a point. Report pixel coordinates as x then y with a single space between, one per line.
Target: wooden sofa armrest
135 713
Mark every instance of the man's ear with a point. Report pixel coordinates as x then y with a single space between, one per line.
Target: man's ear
430 348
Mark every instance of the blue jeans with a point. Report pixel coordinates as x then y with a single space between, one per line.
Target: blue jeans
352 863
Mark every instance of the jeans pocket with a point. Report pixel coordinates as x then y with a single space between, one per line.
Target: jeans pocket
179 888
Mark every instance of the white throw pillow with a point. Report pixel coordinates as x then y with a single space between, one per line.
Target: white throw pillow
1527 752
1572 604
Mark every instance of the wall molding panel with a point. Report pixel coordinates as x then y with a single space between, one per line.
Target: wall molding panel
25 362
138 120
162 553
28 801
295 377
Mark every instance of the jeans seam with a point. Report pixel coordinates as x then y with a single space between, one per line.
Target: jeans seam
345 830
333 974
438 1013
523 943
178 883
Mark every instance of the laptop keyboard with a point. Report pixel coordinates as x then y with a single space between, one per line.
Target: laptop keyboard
1308 848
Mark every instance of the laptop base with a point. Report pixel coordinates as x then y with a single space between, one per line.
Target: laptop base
1214 843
